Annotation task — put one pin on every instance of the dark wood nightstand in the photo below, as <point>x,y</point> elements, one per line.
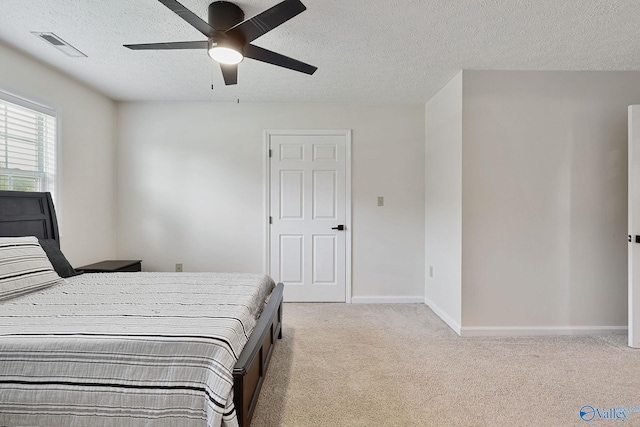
<point>112,266</point>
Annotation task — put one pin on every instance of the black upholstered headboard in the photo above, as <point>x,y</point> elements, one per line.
<point>28,214</point>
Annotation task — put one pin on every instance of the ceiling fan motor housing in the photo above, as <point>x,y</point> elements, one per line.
<point>224,15</point>
<point>221,39</point>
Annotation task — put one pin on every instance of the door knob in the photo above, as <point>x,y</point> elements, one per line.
<point>340,227</point>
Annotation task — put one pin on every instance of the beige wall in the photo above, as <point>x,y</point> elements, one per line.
<point>86,186</point>
<point>443,203</point>
<point>191,187</point>
<point>544,200</point>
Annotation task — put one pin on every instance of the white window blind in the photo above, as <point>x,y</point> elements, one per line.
<point>28,139</point>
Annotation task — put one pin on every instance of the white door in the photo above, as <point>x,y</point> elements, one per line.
<point>309,234</point>
<point>634,226</point>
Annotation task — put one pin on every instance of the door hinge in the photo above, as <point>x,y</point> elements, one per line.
<point>270,220</point>
<point>270,152</point>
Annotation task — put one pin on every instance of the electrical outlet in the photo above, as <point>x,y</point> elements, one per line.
<point>380,201</point>
<point>179,267</point>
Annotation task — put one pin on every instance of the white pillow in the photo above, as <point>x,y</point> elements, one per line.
<point>24,267</point>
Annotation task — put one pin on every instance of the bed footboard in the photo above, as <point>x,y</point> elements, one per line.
<point>248,373</point>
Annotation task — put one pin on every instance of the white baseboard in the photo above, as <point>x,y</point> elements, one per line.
<point>387,300</point>
<point>507,331</point>
<point>443,315</point>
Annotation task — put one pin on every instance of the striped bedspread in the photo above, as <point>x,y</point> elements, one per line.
<point>127,349</point>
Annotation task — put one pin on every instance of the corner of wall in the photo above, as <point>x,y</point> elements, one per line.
<point>443,203</point>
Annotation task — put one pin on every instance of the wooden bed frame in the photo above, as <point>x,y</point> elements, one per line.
<point>33,214</point>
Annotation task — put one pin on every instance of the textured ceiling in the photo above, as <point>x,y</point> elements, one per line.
<point>366,51</point>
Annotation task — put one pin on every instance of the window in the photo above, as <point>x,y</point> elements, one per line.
<point>27,145</point>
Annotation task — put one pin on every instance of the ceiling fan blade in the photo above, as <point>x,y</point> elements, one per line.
<point>253,28</point>
<point>230,73</point>
<point>194,20</point>
<point>270,57</point>
<point>170,45</point>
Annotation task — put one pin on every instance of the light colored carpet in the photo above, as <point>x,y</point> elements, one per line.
<point>400,365</point>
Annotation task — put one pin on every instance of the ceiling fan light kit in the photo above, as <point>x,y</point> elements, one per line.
<point>229,37</point>
<point>225,52</point>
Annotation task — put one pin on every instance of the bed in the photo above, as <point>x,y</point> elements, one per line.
<point>136,349</point>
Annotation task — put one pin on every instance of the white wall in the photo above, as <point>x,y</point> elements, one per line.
<point>443,203</point>
<point>86,189</point>
<point>190,187</point>
<point>545,200</point>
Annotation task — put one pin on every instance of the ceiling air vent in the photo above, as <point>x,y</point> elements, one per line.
<point>59,44</point>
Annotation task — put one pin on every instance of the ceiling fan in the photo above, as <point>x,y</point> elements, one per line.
<point>229,37</point>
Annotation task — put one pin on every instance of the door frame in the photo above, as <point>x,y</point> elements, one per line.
<point>346,133</point>
<point>632,227</point>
